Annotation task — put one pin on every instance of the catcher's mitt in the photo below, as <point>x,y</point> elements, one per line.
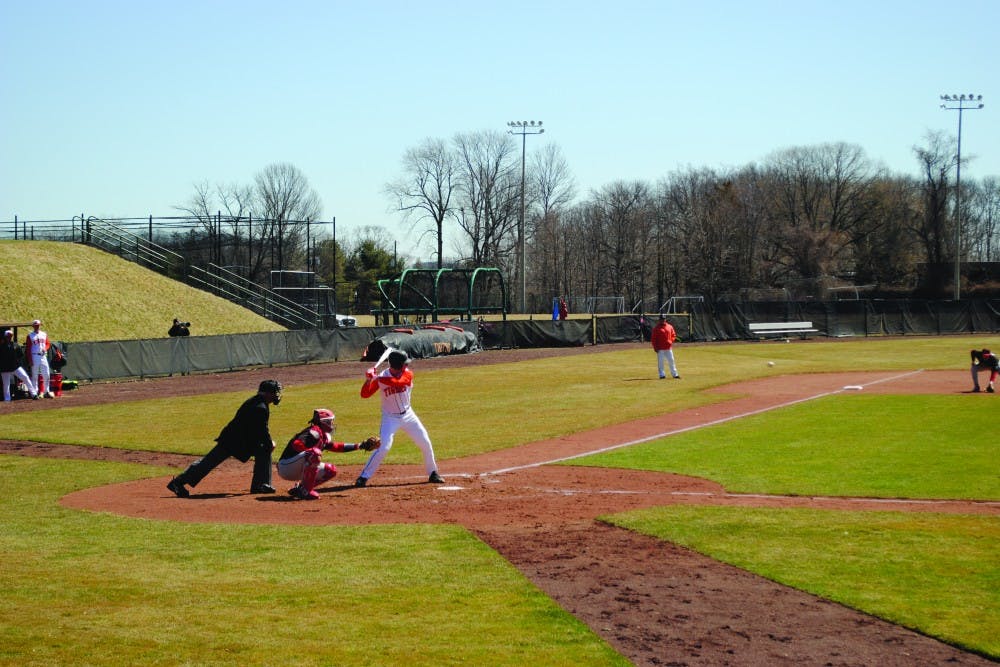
<point>370,443</point>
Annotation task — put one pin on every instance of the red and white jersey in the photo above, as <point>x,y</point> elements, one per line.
<point>395,391</point>
<point>37,343</point>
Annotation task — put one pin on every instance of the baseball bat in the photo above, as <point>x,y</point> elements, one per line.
<point>383,358</point>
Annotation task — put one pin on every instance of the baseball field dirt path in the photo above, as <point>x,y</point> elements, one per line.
<point>655,602</point>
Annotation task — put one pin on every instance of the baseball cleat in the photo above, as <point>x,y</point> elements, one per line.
<point>262,488</point>
<point>435,478</point>
<point>361,482</point>
<point>299,493</point>
<point>989,390</point>
<point>177,487</point>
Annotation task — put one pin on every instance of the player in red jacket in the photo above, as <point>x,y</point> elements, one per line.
<point>663,338</point>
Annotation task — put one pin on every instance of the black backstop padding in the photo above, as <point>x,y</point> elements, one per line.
<point>705,322</point>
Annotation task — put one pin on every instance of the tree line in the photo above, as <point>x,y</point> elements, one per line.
<point>802,221</point>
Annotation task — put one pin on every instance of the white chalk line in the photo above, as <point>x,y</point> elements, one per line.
<point>686,429</point>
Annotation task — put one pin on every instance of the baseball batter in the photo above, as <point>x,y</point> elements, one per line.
<point>395,386</point>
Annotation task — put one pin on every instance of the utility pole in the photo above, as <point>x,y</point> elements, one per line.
<point>523,128</point>
<point>960,100</point>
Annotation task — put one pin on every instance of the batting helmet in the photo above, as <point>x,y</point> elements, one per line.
<point>398,359</point>
<point>324,419</point>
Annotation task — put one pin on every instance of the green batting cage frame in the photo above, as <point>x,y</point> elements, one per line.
<point>423,293</point>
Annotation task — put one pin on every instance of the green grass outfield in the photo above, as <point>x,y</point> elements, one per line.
<point>165,593</point>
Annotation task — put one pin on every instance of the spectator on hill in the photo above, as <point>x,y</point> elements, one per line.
<point>179,329</point>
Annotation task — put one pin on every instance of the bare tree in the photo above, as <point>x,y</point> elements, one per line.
<point>225,214</point>
<point>934,228</point>
<point>425,191</point>
<point>489,187</point>
<point>981,204</point>
<point>286,201</point>
<point>622,221</point>
<point>819,206</point>
<point>695,225</point>
<point>888,253</point>
<point>554,189</point>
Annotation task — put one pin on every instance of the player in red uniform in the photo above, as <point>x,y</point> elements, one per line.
<point>395,385</point>
<point>302,462</point>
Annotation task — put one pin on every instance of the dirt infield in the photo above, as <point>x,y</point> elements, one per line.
<point>655,602</point>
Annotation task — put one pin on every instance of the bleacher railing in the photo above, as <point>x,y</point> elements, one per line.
<point>213,278</point>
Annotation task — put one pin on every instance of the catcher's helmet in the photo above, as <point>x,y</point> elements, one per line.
<point>324,419</point>
<point>271,387</point>
<point>398,359</point>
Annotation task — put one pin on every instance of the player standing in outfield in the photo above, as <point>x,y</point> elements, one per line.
<point>396,385</point>
<point>663,338</point>
<point>984,360</point>
<point>37,344</point>
<point>244,436</point>
<point>302,462</point>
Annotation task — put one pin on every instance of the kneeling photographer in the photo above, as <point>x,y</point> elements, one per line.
<point>179,328</point>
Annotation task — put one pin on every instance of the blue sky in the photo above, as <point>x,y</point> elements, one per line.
<point>117,108</point>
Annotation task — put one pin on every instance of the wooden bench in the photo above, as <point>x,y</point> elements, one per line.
<point>765,329</point>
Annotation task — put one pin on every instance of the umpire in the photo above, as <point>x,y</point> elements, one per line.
<point>245,436</point>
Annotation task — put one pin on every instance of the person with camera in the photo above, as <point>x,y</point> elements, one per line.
<point>179,329</point>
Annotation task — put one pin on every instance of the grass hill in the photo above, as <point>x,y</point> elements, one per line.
<point>85,294</point>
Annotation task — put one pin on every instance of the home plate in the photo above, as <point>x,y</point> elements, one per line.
<point>853,387</point>
<point>450,488</point>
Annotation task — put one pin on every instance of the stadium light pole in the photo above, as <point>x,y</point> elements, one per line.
<point>523,128</point>
<point>974,102</point>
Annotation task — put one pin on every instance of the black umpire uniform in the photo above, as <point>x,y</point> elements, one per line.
<point>246,435</point>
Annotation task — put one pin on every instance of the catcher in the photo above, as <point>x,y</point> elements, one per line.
<point>302,462</point>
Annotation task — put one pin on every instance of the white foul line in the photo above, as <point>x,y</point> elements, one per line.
<point>715,422</point>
